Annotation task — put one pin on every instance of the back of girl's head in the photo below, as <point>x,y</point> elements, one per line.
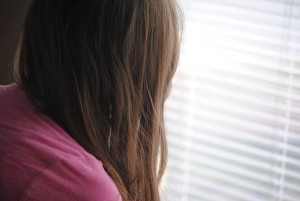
<point>102,69</point>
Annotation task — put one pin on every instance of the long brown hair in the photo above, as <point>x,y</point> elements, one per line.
<point>102,70</point>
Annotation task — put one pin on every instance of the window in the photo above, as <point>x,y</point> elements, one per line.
<point>233,118</point>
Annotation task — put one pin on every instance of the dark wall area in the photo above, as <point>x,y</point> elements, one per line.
<point>12,13</point>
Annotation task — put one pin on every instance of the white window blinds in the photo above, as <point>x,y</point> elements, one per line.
<point>233,118</point>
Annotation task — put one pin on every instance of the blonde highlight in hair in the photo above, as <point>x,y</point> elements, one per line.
<point>102,70</point>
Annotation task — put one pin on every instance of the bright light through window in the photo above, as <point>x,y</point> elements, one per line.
<point>233,118</point>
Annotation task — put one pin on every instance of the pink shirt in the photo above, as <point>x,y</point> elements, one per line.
<point>40,161</point>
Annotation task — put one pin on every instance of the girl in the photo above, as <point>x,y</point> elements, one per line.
<point>84,120</point>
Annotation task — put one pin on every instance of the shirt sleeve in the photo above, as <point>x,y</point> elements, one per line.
<point>72,179</point>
